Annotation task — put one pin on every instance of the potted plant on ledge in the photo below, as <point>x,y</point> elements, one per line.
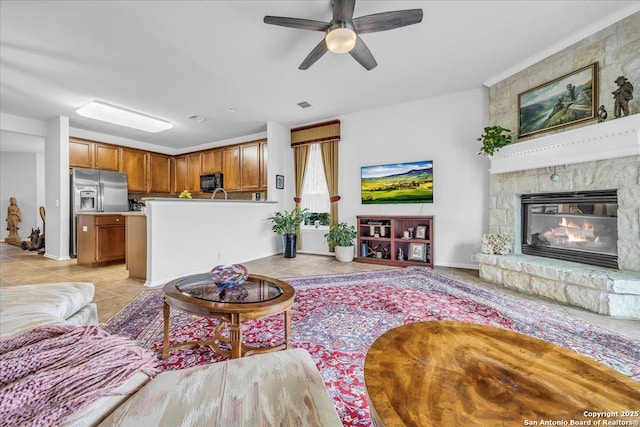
<point>286,224</point>
<point>341,237</point>
<point>493,139</point>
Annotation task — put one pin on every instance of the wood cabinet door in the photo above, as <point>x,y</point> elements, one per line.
<point>159,173</point>
<point>110,243</point>
<point>212,161</point>
<point>134,163</point>
<point>264,177</point>
<point>231,168</point>
<point>80,154</point>
<point>180,177</point>
<point>193,172</point>
<point>250,166</point>
<point>106,157</point>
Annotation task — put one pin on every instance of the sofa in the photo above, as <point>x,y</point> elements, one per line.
<point>281,388</point>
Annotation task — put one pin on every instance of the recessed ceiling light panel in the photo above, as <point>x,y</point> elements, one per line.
<point>99,110</point>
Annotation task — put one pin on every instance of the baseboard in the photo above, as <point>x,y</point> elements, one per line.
<point>57,258</point>
<point>316,253</point>
<point>459,265</point>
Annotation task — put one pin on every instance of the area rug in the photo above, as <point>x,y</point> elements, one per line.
<point>337,317</point>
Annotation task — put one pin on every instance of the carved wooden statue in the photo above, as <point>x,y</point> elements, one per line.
<point>14,216</point>
<point>622,96</point>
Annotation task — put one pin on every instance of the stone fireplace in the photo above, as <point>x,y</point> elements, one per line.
<point>600,159</point>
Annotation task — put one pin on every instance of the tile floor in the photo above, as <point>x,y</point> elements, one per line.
<point>114,289</point>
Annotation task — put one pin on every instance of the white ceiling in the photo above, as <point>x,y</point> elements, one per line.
<point>175,59</point>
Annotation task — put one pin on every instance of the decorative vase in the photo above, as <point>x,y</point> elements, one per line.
<point>289,243</point>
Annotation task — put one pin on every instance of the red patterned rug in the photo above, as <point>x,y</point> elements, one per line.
<point>337,317</point>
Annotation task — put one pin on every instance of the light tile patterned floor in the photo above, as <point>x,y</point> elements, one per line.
<point>114,289</point>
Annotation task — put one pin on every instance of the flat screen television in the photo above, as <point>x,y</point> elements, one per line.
<point>410,182</point>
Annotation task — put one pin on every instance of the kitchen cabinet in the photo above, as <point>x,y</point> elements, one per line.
<point>231,167</point>
<point>212,161</point>
<point>93,155</point>
<point>179,174</point>
<point>101,239</point>
<point>193,172</point>
<point>159,176</point>
<point>264,177</point>
<point>134,164</point>
<point>250,166</point>
<point>186,173</point>
<point>244,166</point>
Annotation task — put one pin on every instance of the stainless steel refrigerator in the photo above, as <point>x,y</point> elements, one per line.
<point>94,190</point>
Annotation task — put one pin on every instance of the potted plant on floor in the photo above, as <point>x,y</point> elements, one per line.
<point>286,224</point>
<point>341,237</point>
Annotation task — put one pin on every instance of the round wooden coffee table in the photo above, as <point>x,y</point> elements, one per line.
<point>462,374</point>
<point>257,297</point>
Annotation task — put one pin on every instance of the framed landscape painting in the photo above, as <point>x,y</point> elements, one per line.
<point>410,182</point>
<point>565,101</point>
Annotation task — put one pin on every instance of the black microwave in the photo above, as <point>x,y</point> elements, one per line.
<point>210,182</point>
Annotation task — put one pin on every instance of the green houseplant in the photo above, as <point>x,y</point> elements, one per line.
<point>286,224</point>
<point>341,237</point>
<point>493,139</point>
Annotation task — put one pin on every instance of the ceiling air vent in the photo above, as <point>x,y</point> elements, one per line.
<point>198,118</point>
<point>304,104</point>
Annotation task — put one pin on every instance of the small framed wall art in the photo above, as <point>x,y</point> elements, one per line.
<point>279,182</point>
<point>421,232</point>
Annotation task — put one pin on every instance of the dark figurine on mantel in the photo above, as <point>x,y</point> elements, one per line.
<point>622,96</point>
<point>602,114</point>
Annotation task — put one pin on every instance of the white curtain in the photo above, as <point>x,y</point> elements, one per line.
<point>315,194</point>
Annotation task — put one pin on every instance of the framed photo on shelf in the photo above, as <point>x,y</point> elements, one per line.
<point>279,182</point>
<point>421,232</point>
<point>416,252</point>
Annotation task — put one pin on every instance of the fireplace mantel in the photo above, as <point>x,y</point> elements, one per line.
<point>599,141</point>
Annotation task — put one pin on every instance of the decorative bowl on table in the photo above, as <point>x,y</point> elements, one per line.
<point>225,276</point>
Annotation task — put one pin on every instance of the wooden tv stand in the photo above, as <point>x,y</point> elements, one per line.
<point>384,237</point>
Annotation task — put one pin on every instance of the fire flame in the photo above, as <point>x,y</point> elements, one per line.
<point>575,232</point>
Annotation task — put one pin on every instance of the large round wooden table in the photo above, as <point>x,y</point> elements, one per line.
<point>257,297</point>
<point>462,374</point>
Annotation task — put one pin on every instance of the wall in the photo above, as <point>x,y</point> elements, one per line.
<point>441,129</point>
<point>18,178</point>
<point>192,236</point>
<point>615,49</point>
<point>57,200</point>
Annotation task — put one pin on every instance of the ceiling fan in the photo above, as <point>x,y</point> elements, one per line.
<point>343,32</point>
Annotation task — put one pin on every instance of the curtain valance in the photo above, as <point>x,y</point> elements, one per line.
<point>319,132</point>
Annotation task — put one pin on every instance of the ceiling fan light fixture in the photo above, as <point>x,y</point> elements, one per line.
<point>341,38</point>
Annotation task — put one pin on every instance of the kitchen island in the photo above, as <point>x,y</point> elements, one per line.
<point>136,244</point>
<point>101,237</point>
<point>189,236</point>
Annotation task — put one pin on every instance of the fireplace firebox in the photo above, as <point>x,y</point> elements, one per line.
<point>576,226</point>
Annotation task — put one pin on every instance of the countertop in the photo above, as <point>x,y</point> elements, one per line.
<point>130,213</point>
<point>173,199</point>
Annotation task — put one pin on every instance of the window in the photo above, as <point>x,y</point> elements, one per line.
<point>315,194</point>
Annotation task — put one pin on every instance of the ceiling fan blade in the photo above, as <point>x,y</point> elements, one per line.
<point>343,10</point>
<point>387,20</point>
<point>301,24</point>
<point>315,54</point>
<point>363,55</point>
